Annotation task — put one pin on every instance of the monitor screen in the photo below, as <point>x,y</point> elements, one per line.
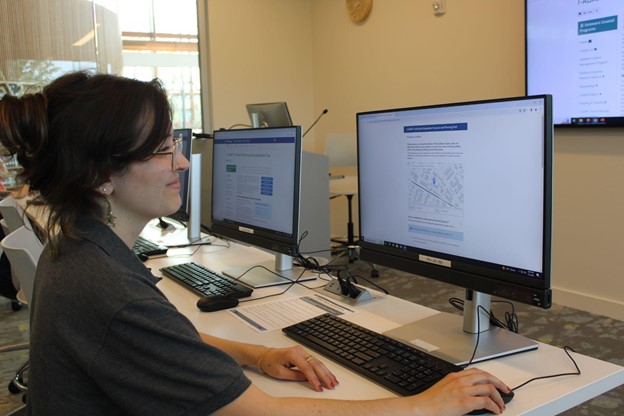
<point>256,182</point>
<point>461,193</point>
<point>269,114</point>
<point>574,52</point>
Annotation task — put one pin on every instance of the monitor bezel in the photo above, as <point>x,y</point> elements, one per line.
<point>471,275</point>
<point>258,236</point>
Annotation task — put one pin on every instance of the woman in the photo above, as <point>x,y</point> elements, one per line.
<point>104,339</point>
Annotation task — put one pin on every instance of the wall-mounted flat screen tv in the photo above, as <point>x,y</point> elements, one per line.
<point>575,52</point>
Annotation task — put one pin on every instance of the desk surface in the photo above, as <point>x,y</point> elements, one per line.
<point>386,312</point>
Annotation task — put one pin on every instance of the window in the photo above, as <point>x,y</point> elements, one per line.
<point>159,40</point>
<point>143,39</point>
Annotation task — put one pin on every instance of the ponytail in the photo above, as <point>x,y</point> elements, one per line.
<point>24,125</point>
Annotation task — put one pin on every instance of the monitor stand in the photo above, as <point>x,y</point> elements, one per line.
<point>175,234</point>
<point>189,234</point>
<point>453,337</point>
<point>270,273</point>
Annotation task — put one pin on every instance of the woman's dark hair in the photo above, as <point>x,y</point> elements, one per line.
<point>79,131</point>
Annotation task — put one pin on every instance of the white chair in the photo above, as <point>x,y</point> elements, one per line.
<point>23,249</point>
<point>13,217</point>
<point>16,304</point>
<point>5,226</point>
<point>11,213</point>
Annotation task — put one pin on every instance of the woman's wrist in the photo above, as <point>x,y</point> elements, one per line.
<point>261,359</point>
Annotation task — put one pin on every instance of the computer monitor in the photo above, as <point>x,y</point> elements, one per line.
<point>269,114</point>
<point>256,191</point>
<point>183,213</point>
<point>461,193</point>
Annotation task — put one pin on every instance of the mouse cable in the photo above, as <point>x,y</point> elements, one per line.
<point>457,301</point>
<point>566,349</point>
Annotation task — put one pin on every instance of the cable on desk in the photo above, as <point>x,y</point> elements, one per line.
<point>511,319</point>
<point>566,349</point>
<point>354,277</point>
<point>310,263</point>
<point>290,285</point>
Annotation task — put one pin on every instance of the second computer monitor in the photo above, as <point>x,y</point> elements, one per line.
<point>256,191</point>
<point>461,193</point>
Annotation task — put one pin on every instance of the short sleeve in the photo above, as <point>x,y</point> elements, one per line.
<point>161,366</point>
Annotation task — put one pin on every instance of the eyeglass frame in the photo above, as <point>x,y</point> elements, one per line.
<point>177,149</point>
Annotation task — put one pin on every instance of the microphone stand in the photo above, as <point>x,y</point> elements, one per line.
<point>315,121</point>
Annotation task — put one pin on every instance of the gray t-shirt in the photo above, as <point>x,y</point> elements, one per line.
<point>105,340</point>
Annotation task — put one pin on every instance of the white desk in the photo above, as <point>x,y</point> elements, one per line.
<point>543,397</point>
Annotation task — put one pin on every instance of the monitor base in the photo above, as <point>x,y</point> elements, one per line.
<point>442,335</point>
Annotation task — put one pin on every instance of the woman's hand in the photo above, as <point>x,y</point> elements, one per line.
<point>296,364</point>
<point>462,392</point>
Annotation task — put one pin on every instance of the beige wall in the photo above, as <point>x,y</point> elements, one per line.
<point>403,55</point>
<point>259,52</point>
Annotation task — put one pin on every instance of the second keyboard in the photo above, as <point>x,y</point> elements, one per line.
<point>399,367</point>
<point>204,281</point>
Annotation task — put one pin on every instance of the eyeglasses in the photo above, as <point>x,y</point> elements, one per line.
<point>176,150</point>
<point>6,158</point>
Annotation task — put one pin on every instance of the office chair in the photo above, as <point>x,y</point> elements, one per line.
<point>11,213</point>
<point>23,249</point>
<point>13,217</point>
<point>16,304</point>
<point>341,150</point>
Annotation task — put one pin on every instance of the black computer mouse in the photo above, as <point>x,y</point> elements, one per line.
<point>216,303</point>
<point>506,398</point>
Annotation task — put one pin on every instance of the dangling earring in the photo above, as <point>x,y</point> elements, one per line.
<point>110,218</point>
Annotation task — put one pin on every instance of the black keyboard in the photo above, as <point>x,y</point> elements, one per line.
<point>204,281</point>
<point>397,366</point>
<point>149,248</point>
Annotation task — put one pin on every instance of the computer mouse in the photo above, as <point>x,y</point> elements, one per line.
<point>216,303</point>
<point>506,399</point>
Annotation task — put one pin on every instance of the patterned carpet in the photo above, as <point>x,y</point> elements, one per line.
<point>593,335</point>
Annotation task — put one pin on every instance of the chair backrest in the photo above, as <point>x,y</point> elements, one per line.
<point>23,249</point>
<point>341,149</point>
<point>5,227</point>
<point>12,214</point>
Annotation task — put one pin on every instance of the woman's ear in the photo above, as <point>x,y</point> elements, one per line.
<point>105,189</point>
